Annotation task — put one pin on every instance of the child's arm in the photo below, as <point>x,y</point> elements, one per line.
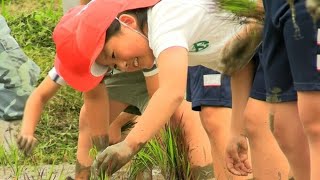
<point>237,149</point>
<point>162,105</point>
<point>241,81</point>
<point>32,112</point>
<point>172,64</point>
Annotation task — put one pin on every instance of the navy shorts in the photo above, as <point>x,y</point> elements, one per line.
<point>288,60</point>
<point>258,89</point>
<point>206,87</point>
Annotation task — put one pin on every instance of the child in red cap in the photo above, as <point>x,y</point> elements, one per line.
<point>131,34</point>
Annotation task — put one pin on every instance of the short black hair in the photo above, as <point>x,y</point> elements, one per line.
<point>141,15</point>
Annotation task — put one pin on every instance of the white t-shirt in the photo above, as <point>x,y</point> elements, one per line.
<point>197,25</point>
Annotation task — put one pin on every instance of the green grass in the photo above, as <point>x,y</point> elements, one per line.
<point>31,23</point>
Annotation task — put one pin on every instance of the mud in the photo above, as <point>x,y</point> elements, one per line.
<point>240,50</point>
<point>100,142</point>
<point>205,172</point>
<point>82,171</point>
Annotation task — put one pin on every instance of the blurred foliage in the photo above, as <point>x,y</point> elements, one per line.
<point>242,8</point>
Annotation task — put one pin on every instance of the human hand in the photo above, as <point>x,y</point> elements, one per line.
<point>313,7</point>
<point>237,156</point>
<point>26,143</point>
<point>112,159</point>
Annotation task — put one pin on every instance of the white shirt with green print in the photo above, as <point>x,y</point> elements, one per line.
<point>197,25</point>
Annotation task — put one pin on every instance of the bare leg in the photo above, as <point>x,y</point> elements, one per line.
<point>289,133</point>
<point>115,133</point>
<point>116,107</point>
<point>196,140</point>
<point>268,161</point>
<point>84,161</point>
<point>309,111</point>
<point>86,136</point>
<point>216,121</point>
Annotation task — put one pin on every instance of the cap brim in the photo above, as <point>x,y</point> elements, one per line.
<point>82,83</point>
<point>98,70</point>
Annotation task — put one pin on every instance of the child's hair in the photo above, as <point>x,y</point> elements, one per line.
<point>141,15</point>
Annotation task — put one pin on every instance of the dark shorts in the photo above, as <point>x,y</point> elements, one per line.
<point>206,87</point>
<point>287,60</point>
<point>258,89</point>
<point>132,110</point>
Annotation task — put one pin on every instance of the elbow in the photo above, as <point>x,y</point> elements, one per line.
<point>178,97</point>
<point>37,98</point>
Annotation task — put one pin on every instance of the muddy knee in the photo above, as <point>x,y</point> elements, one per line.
<point>203,172</point>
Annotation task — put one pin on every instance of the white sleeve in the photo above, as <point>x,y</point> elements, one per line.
<point>150,72</point>
<point>174,23</point>
<point>56,77</point>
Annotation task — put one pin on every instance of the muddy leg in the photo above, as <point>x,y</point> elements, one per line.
<point>82,171</point>
<point>205,172</point>
<point>145,174</point>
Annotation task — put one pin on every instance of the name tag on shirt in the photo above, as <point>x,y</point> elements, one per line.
<point>212,80</point>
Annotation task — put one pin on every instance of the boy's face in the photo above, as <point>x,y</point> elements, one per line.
<point>127,50</point>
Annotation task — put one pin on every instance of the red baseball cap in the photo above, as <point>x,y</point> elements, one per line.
<point>80,37</point>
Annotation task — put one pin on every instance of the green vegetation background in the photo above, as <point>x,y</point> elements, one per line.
<point>31,23</point>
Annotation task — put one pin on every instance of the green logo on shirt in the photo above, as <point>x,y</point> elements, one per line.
<point>199,46</point>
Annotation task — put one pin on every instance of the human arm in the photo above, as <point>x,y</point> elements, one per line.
<point>237,148</point>
<point>165,100</point>
<point>244,45</point>
<point>167,97</point>
<point>32,112</point>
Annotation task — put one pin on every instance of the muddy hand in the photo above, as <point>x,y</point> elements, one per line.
<point>26,143</point>
<point>112,159</point>
<point>237,156</point>
<point>313,7</point>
